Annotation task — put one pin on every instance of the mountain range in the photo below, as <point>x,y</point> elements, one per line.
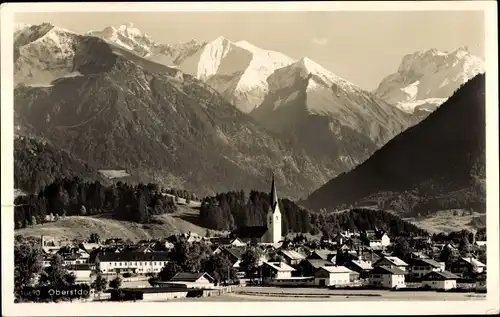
<point>116,110</point>
<point>207,117</point>
<point>424,80</point>
<point>296,98</point>
<point>439,164</point>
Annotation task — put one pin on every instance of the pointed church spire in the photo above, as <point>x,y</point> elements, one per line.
<point>274,195</point>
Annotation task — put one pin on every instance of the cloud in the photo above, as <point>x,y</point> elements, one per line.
<point>320,41</point>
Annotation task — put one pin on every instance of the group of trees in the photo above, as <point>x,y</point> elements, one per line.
<point>193,258</point>
<point>227,211</point>
<point>230,210</point>
<point>38,163</point>
<point>33,282</point>
<point>76,197</point>
<point>182,193</point>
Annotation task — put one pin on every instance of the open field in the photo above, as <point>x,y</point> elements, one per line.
<point>78,227</point>
<point>448,221</point>
<point>112,174</point>
<point>270,294</point>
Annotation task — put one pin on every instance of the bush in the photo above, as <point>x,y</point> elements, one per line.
<point>127,274</point>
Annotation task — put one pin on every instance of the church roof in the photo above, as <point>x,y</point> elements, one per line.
<point>274,195</point>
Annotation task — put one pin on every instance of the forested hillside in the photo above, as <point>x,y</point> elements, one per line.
<point>230,210</point>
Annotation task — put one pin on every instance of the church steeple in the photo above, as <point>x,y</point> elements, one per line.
<point>274,217</point>
<point>274,195</point>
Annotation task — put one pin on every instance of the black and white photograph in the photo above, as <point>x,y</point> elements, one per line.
<point>294,158</point>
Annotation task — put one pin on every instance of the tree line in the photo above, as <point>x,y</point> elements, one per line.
<point>73,196</point>
<point>227,211</point>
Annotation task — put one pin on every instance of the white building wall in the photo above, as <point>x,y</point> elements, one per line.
<point>339,279</point>
<point>388,281</point>
<point>446,284</point>
<point>386,241</point>
<point>81,275</point>
<point>140,267</point>
<point>398,281</point>
<point>283,274</point>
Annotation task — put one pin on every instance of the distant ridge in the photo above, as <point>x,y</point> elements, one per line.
<point>437,164</point>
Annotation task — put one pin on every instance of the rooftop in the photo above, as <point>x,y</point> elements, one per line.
<point>133,256</point>
<point>442,275</point>
<point>428,261</point>
<point>294,255</point>
<point>387,270</point>
<point>396,261</point>
<point>336,269</point>
<point>365,265</point>
<point>280,266</point>
<point>474,262</point>
<point>319,263</point>
<point>190,277</point>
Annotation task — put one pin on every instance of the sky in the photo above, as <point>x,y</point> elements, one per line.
<point>362,47</point>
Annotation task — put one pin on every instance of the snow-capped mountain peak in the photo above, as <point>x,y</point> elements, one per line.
<point>128,30</point>
<point>238,70</point>
<point>427,77</point>
<point>43,53</point>
<point>307,69</point>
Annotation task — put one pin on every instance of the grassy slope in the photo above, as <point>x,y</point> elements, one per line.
<point>448,221</point>
<point>77,227</point>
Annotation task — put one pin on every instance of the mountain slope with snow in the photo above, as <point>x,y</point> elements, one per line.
<point>237,70</point>
<point>333,118</point>
<point>43,53</point>
<point>438,164</point>
<point>424,80</point>
<point>129,37</point>
<point>126,112</point>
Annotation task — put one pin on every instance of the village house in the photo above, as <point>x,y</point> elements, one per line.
<point>467,267</point>
<point>392,262</point>
<point>131,262</point>
<point>363,268</point>
<point>192,280</point>
<point>139,248</point>
<point>46,258</point>
<point>367,254</point>
<point>292,257</point>
<point>340,239</point>
<point>353,243</point>
<point>281,274</point>
<point>227,242</point>
<point>418,255</point>
<point>275,270</point>
<point>387,277</point>
<point>332,276</point>
<point>234,254</point>
<point>82,272</point>
<point>419,242</point>
<point>326,255</point>
<point>420,267</point>
<point>309,267</point>
<point>376,239</point>
<point>442,280</point>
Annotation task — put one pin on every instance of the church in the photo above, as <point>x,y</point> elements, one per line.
<point>271,232</point>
